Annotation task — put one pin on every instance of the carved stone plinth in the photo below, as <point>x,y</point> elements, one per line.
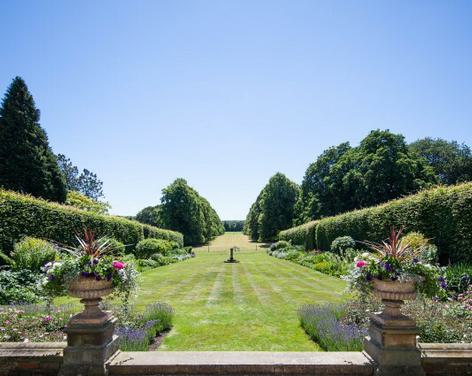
<point>90,334</point>
<point>392,336</point>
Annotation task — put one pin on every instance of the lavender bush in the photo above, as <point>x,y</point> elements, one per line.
<point>137,331</point>
<point>323,325</point>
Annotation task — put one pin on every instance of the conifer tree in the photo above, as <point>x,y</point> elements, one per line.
<point>27,163</point>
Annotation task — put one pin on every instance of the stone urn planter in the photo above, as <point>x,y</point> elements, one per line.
<point>392,335</point>
<point>395,290</point>
<point>90,334</point>
<point>90,291</point>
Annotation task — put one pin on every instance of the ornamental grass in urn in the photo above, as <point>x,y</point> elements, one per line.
<point>394,270</point>
<point>89,271</point>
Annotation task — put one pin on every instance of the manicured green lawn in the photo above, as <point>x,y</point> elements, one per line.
<point>247,306</point>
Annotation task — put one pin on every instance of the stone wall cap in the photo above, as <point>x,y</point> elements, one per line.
<point>240,358</point>
<point>31,349</point>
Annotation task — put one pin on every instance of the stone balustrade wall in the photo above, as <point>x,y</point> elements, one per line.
<point>45,359</point>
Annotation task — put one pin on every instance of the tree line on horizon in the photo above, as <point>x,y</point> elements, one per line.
<point>343,178</point>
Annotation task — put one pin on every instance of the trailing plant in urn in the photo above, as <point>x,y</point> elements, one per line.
<point>396,264</point>
<point>89,270</point>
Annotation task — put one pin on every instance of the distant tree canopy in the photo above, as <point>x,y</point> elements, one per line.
<point>451,161</point>
<point>27,163</point>
<point>182,209</point>
<point>150,215</point>
<point>343,178</point>
<point>233,225</point>
<point>273,210</point>
<point>85,182</point>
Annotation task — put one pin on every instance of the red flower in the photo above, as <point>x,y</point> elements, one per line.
<point>360,264</point>
<point>118,265</point>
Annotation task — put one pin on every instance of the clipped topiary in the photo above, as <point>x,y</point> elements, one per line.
<point>342,244</point>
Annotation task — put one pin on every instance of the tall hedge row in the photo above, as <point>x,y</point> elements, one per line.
<point>442,214</point>
<point>22,215</point>
<point>301,235</point>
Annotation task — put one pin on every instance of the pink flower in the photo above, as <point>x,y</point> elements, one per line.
<point>118,265</point>
<point>360,264</point>
<point>47,319</point>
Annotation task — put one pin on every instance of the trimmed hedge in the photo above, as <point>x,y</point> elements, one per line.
<point>443,214</point>
<point>24,215</point>
<point>301,235</point>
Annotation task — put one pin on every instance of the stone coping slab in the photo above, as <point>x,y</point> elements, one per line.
<point>240,363</point>
<point>31,349</point>
<point>446,350</point>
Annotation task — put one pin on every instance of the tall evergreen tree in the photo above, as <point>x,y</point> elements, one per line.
<point>27,163</point>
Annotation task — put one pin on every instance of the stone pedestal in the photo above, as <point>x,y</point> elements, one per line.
<point>90,341</point>
<point>392,342</point>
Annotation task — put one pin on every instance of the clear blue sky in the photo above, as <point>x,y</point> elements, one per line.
<point>226,93</point>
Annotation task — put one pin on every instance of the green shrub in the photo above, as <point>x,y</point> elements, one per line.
<point>281,244</point>
<point>32,254</point>
<point>146,263</point>
<point>161,313</point>
<point>117,247</point>
<point>6,260</point>
<point>341,244</point>
<point>458,277</point>
<point>426,251</point>
<point>23,215</point>
<point>148,247</point>
<point>18,287</point>
<point>442,214</point>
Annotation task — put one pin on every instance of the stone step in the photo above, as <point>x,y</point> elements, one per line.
<point>240,363</point>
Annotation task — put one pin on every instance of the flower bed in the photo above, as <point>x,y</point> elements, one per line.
<point>324,325</point>
<point>38,323</point>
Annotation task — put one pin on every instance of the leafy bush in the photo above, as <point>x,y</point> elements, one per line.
<point>6,260</point>
<point>22,215</point>
<point>422,246</point>
<point>32,254</point>
<point>323,325</point>
<point>117,247</point>
<point>341,244</point>
<point>18,287</point>
<point>148,247</point>
<point>281,244</point>
<point>442,214</point>
<point>147,263</point>
<point>458,277</point>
